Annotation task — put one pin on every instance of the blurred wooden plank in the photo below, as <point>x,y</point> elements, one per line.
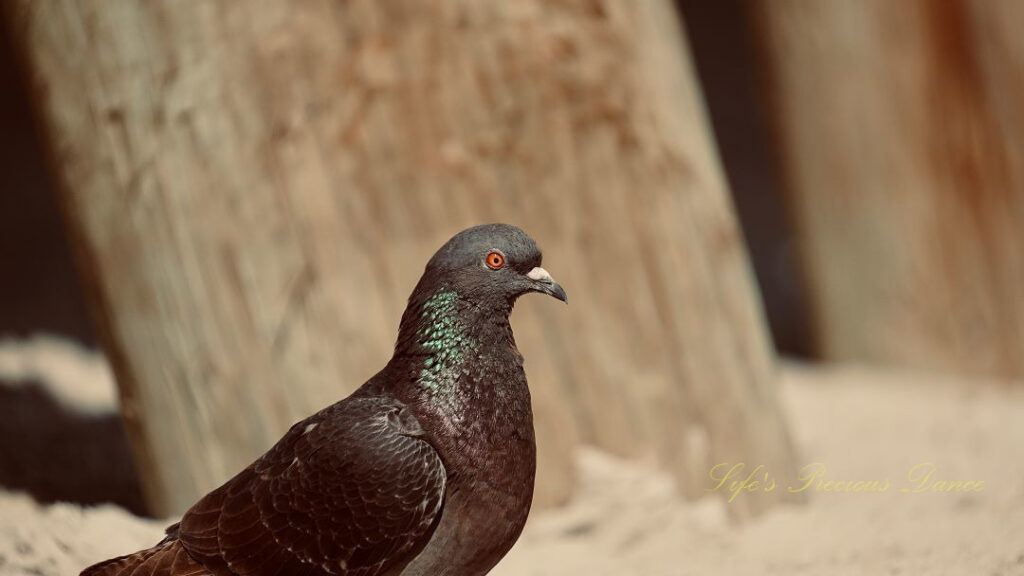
<point>900,127</point>
<point>256,192</point>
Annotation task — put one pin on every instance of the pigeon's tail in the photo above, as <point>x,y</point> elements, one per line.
<point>167,558</point>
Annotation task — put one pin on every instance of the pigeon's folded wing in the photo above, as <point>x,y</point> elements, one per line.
<point>350,490</point>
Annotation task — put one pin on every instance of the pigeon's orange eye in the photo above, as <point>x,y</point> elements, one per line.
<point>495,260</point>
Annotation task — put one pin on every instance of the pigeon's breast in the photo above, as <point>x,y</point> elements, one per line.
<point>486,440</point>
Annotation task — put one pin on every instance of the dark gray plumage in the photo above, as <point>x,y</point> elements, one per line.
<point>427,469</point>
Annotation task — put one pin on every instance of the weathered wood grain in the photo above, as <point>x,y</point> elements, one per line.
<point>901,126</point>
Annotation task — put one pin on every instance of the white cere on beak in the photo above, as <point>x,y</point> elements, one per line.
<point>539,274</point>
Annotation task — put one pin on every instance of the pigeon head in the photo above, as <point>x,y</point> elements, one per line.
<point>489,265</point>
<point>474,277</point>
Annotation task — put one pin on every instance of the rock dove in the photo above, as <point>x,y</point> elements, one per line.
<point>426,469</point>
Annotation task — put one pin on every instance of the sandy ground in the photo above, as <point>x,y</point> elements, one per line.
<point>860,424</point>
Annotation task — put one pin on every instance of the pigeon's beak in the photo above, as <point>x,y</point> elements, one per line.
<point>543,282</point>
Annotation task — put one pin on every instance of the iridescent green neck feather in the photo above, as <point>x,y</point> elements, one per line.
<point>443,336</point>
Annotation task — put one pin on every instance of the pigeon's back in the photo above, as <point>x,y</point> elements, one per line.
<point>351,490</point>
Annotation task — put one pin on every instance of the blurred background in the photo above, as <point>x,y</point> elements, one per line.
<point>792,231</point>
